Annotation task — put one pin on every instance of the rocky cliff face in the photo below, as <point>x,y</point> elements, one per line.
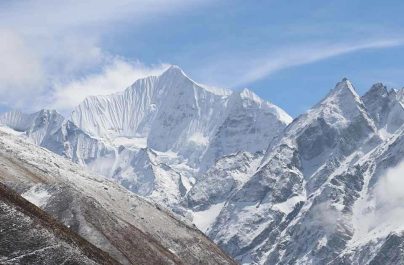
<point>385,107</point>
<point>301,205</point>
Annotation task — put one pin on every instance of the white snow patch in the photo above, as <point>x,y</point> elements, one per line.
<point>186,183</point>
<point>37,196</point>
<point>199,139</point>
<point>204,219</point>
<point>322,242</point>
<point>381,211</point>
<point>8,130</point>
<point>288,205</point>
<point>168,154</point>
<point>131,142</point>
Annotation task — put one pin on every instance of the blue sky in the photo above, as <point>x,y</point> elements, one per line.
<point>289,52</point>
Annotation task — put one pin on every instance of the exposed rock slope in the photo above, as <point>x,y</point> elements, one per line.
<point>30,236</point>
<point>130,229</point>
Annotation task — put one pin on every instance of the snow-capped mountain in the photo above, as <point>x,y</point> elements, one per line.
<point>266,189</point>
<point>38,126</point>
<point>301,205</point>
<point>159,135</point>
<point>173,113</point>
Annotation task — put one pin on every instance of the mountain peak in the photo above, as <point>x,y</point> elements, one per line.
<point>174,70</point>
<point>246,93</point>
<point>340,107</point>
<point>384,108</point>
<point>345,84</point>
<point>377,90</point>
<point>47,112</point>
<point>378,86</point>
<point>343,91</point>
<point>174,74</point>
<point>400,95</point>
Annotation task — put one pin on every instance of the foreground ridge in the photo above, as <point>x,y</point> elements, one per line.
<point>129,228</point>
<point>30,236</point>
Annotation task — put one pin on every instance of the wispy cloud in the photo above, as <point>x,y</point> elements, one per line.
<point>243,70</point>
<point>113,78</point>
<point>20,68</point>
<point>47,16</point>
<point>382,212</point>
<point>44,45</point>
<point>48,46</point>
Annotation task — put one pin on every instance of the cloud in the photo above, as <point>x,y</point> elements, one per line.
<point>382,211</point>
<point>325,216</point>
<point>389,196</point>
<point>21,70</point>
<point>46,45</point>
<point>72,55</point>
<point>114,77</point>
<point>252,67</point>
<point>28,72</point>
<point>47,16</point>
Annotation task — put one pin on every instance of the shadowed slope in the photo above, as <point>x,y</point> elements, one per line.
<point>30,236</point>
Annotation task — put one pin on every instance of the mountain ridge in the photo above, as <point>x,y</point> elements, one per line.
<point>299,175</point>
<point>190,125</point>
<point>18,244</point>
<point>266,189</point>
